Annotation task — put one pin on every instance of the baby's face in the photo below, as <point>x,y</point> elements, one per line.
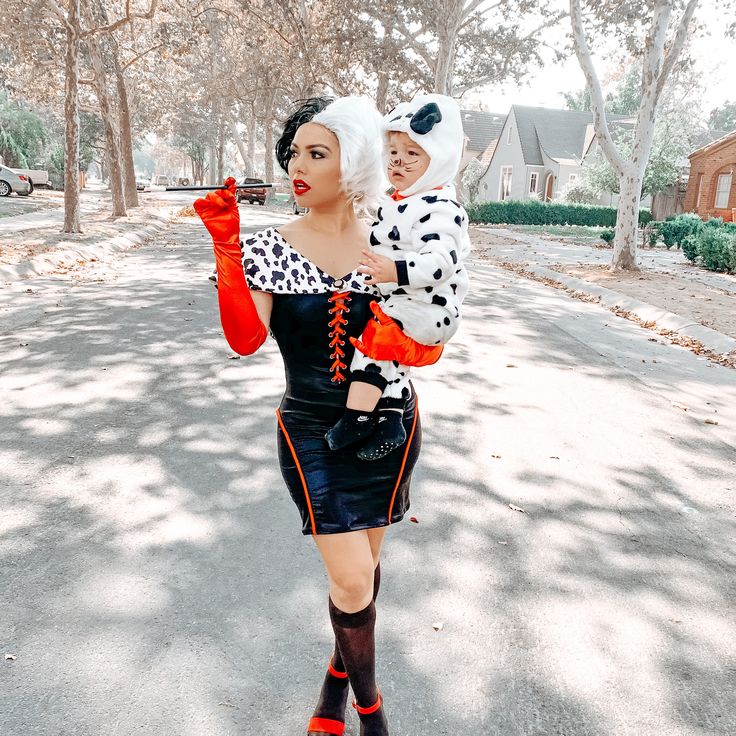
<point>406,161</point>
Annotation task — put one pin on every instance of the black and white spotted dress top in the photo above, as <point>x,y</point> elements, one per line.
<point>312,317</point>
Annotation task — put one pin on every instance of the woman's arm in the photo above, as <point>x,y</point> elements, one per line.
<point>264,304</point>
<point>242,323</point>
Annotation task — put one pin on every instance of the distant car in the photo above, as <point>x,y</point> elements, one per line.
<point>36,177</point>
<point>11,182</point>
<point>161,180</point>
<point>142,184</point>
<point>251,195</point>
<point>183,181</point>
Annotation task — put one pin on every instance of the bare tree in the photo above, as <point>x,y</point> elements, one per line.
<point>664,38</point>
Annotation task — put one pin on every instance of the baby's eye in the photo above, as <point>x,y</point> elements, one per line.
<point>412,153</point>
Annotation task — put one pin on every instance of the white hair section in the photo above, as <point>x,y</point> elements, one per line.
<point>357,124</point>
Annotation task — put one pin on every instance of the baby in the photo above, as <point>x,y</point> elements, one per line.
<point>418,244</point>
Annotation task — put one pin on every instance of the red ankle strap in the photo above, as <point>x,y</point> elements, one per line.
<point>372,709</point>
<point>326,725</point>
<point>334,672</point>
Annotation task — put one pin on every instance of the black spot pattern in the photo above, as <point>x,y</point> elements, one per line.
<point>437,274</point>
<point>374,240</point>
<point>272,265</point>
<point>453,255</point>
<point>426,217</point>
<point>379,214</point>
<point>430,236</point>
<point>430,199</point>
<point>458,220</point>
<point>402,208</point>
<point>394,234</point>
<point>440,300</point>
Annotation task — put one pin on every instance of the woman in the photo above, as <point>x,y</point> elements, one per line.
<point>305,284</point>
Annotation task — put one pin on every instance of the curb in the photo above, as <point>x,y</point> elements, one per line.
<point>43,264</point>
<point>709,338</point>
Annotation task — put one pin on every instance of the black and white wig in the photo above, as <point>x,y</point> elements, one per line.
<point>357,125</point>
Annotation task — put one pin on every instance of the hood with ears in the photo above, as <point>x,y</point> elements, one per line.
<point>434,123</point>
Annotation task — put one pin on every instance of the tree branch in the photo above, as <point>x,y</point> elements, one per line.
<point>582,51</point>
<point>673,52</point>
<point>59,13</point>
<point>122,21</point>
<point>140,56</point>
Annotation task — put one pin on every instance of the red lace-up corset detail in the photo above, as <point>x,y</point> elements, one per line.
<point>337,335</point>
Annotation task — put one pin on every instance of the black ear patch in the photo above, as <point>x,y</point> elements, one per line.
<point>425,118</point>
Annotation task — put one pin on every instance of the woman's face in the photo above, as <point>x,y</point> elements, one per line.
<point>314,166</point>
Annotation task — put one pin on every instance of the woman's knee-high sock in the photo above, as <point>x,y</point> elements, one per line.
<point>355,633</point>
<point>337,662</point>
<point>333,697</point>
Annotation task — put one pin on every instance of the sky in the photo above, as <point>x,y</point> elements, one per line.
<point>714,55</point>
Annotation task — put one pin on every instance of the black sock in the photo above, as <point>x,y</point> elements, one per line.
<point>390,432</point>
<point>355,426</point>
<point>355,634</point>
<point>337,662</point>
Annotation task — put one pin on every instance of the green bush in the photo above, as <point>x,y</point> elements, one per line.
<point>690,248</point>
<point>674,230</point>
<point>608,236</point>
<point>712,244</point>
<point>533,212</point>
<point>717,249</point>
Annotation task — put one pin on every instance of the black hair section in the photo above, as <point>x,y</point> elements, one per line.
<point>303,114</point>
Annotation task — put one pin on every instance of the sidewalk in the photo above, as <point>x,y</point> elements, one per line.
<point>691,306</point>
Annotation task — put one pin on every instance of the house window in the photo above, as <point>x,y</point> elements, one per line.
<point>723,190</point>
<point>700,192</point>
<point>533,180</point>
<point>504,190</point>
<point>573,178</point>
<point>508,137</point>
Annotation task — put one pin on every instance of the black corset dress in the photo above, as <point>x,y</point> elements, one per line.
<point>312,317</point>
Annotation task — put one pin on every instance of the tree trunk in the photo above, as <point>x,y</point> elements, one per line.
<point>112,148</point>
<point>250,164</point>
<point>242,150</point>
<point>71,130</point>
<point>382,92</point>
<point>268,141</point>
<point>126,138</point>
<point>220,151</point>
<point>446,45</point>
<point>627,221</point>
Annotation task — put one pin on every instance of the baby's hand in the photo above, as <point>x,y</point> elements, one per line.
<point>378,269</point>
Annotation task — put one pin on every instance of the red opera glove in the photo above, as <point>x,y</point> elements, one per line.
<point>242,326</point>
<point>384,340</point>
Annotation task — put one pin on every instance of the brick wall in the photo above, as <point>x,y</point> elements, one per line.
<point>709,164</point>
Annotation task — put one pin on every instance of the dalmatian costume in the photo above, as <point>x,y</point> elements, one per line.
<point>425,231</point>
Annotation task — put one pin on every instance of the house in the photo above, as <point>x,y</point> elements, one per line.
<point>482,130</point>
<point>711,189</point>
<point>539,151</point>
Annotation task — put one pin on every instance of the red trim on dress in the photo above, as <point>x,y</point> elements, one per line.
<point>299,468</point>
<point>403,462</point>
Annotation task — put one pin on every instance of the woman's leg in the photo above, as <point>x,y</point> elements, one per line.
<point>349,560</point>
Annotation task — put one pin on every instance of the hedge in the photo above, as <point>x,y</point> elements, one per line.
<point>712,244</point>
<point>532,212</point>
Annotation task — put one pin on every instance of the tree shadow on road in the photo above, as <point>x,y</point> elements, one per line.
<point>155,580</point>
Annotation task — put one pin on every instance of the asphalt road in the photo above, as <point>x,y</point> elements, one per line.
<point>155,580</point>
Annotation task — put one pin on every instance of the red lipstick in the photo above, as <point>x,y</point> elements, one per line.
<point>300,187</point>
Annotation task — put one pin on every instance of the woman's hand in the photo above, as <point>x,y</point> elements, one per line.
<point>219,213</point>
<point>378,269</point>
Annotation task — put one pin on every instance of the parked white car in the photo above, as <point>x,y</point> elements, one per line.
<point>11,182</point>
<point>37,177</point>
